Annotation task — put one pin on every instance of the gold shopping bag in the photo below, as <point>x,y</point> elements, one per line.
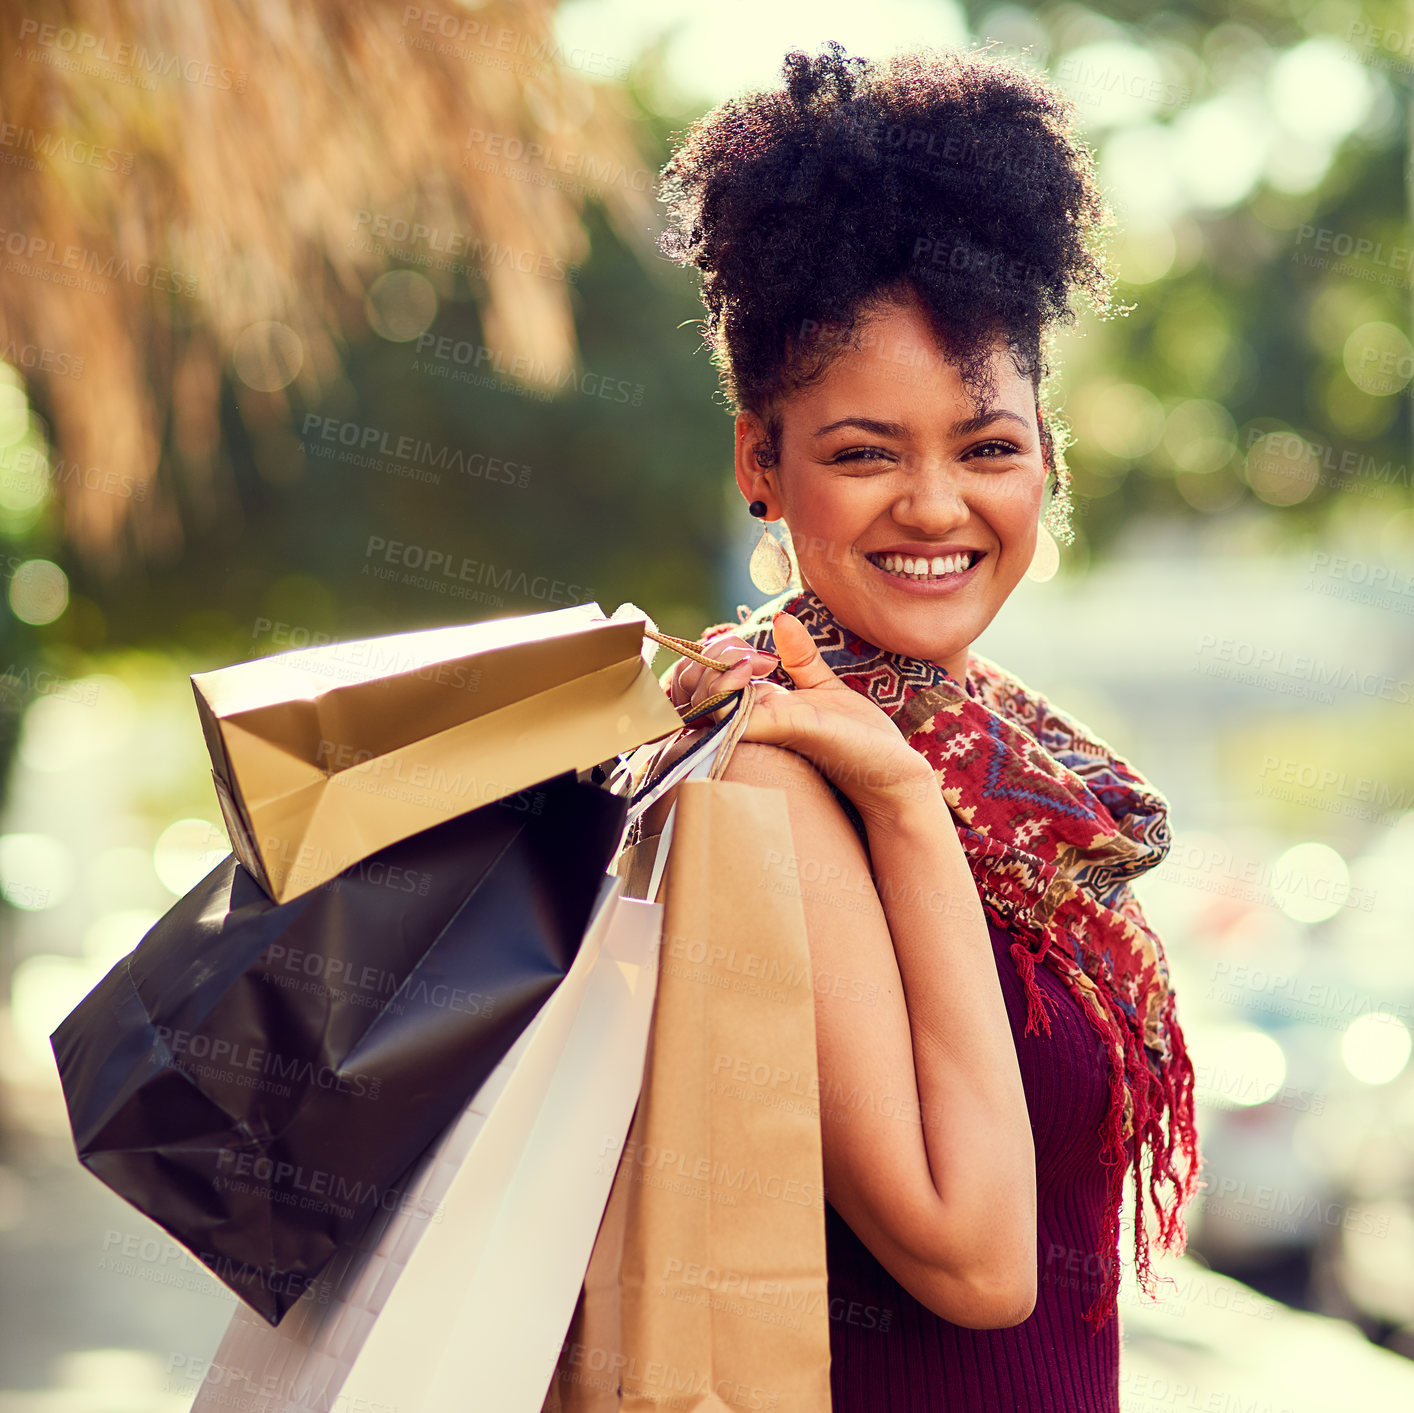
<point>323,756</point>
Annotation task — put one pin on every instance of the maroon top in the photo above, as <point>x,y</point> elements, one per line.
<point>889,1354</point>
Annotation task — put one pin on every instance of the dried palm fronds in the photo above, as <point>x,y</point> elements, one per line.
<point>194,186</point>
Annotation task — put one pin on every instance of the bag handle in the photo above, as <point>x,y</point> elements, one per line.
<point>692,650</point>
<point>709,764</point>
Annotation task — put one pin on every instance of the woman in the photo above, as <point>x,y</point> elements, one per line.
<point>884,250</point>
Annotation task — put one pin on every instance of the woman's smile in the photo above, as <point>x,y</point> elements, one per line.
<point>946,570</point>
<point>912,507</point>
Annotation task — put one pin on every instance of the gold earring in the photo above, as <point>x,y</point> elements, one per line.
<point>769,565</point>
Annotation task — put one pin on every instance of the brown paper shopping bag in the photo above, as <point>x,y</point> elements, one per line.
<point>707,1288</point>
<point>323,756</point>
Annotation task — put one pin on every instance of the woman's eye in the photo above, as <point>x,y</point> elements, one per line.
<point>998,447</point>
<point>861,453</point>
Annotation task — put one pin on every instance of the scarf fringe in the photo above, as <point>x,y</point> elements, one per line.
<point>1171,1151</point>
<point>1038,1021</point>
<point>1156,1090</point>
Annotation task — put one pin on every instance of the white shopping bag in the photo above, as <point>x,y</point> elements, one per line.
<point>515,1188</point>
<point>480,1315</point>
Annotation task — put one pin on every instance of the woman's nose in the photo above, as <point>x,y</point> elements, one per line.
<point>932,496</point>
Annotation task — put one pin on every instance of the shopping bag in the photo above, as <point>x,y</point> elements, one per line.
<point>707,1286</point>
<point>258,1077</point>
<point>510,1197</point>
<point>508,1201</point>
<point>323,756</point>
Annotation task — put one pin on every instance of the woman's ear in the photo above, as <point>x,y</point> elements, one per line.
<point>754,461</point>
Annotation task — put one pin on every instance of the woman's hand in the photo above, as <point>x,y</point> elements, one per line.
<point>691,682</point>
<point>850,741</point>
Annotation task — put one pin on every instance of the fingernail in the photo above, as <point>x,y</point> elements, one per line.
<point>761,652</point>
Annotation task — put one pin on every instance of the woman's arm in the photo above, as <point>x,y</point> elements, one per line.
<point>926,1136</point>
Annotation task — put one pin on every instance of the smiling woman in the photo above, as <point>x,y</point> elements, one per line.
<point>884,251</point>
<point>919,513</point>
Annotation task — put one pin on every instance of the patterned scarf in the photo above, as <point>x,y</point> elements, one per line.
<point>1054,826</point>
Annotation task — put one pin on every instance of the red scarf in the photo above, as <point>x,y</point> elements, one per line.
<point>1054,826</point>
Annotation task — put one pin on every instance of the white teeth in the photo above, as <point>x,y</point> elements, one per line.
<point>920,568</point>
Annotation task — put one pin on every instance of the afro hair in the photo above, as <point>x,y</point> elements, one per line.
<point>949,176</point>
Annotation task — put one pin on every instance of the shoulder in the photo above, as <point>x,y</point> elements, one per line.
<point>759,763</point>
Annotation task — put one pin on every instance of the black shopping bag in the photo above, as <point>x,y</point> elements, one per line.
<point>257,1077</point>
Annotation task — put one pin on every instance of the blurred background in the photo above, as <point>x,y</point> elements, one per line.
<point>327,318</point>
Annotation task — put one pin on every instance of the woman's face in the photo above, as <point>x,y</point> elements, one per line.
<point>887,459</point>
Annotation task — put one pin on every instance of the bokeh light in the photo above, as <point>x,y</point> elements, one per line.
<point>1375,1048</point>
<point>1237,1066</point>
<point>39,591</point>
<point>36,871</point>
<point>43,990</point>
<point>187,851</point>
<point>1379,359</point>
<point>401,305</point>
<point>1282,468</point>
<point>1323,66</point>
<point>268,355</point>
<point>1310,882</point>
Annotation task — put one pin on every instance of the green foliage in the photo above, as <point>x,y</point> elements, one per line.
<point>628,494</point>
